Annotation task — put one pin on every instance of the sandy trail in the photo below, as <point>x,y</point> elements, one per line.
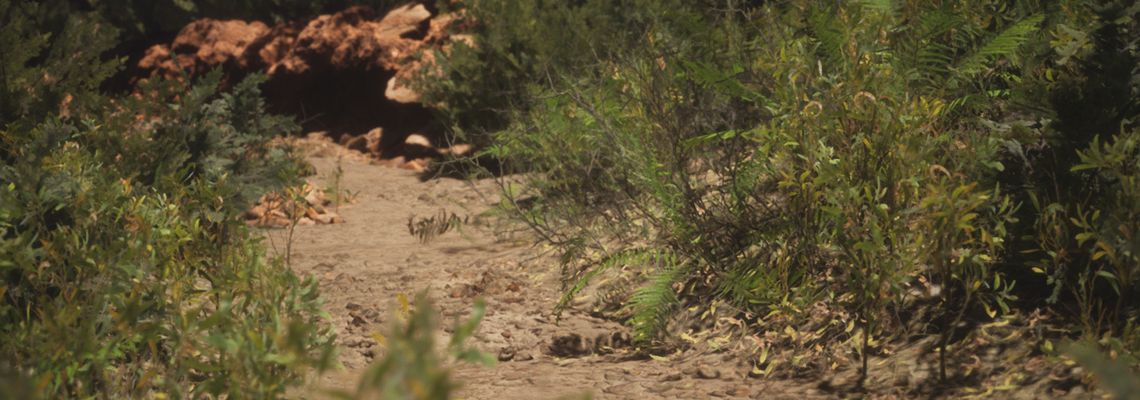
<point>363,264</point>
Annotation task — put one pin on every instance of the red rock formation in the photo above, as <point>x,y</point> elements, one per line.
<point>205,44</point>
<point>345,73</point>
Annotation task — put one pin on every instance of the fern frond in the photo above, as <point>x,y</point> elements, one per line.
<point>927,49</point>
<point>740,285</point>
<point>747,286</point>
<point>1001,45</point>
<point>883,6</point>
<point>428,228</point>
<point>723,81</point>
<point>934,23</point>
<point>935,59</point>
<point>826,30</point>
<point>623,258</point>
<point>652,304</point>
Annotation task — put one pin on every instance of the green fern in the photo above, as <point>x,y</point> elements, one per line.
<point>652,304</point>
<point>826,30</point>
<point>882,6</point>
<point>624,257</point>
<point>1002,45</point>
<point>747,286</point>
<point>932,57</point>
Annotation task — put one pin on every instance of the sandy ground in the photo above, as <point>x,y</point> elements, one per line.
<point>363,264</point>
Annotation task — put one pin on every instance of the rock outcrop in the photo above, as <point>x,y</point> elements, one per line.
<point>346,73</point>
<point>203,45</point>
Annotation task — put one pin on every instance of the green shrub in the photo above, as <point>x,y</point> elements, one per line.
<point>126,281</point>
<point>53,63</point>
<point>1081,173</point>
<point>126,272</point>
<point>525,43</point>
<point>778,156</point>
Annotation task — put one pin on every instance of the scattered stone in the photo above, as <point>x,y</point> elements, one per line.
<point>417,165</point>
<point>316,199</point>
<point>658,388</point>
<point>506,354</point>
<point>276,210</point>
<point>570,345</point>
<point>416,139</point>
<point>400,93</point>
<point>371,314</point>
<point>357,343</point>
<point>457,150</point>
<point>706,372</point>
<point>257,212</point>
<point>372,139</point>
<point>523,356</point>
<point>329,218</point>
<point>353,306</point>
<point>358,321</point>
<point>671,377</point>
<point>619,389</point>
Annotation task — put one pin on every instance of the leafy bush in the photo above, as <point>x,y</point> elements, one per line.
<point>68,51</point>
<point>1081,174</point>
<point>125,269</point>
<point>899,162</point>
<point>144,281</point>
<point>523,43</point>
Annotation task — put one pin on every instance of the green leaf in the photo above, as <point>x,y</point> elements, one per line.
<point>1002,45</point>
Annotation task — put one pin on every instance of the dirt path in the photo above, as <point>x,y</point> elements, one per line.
<point>363,264</point>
